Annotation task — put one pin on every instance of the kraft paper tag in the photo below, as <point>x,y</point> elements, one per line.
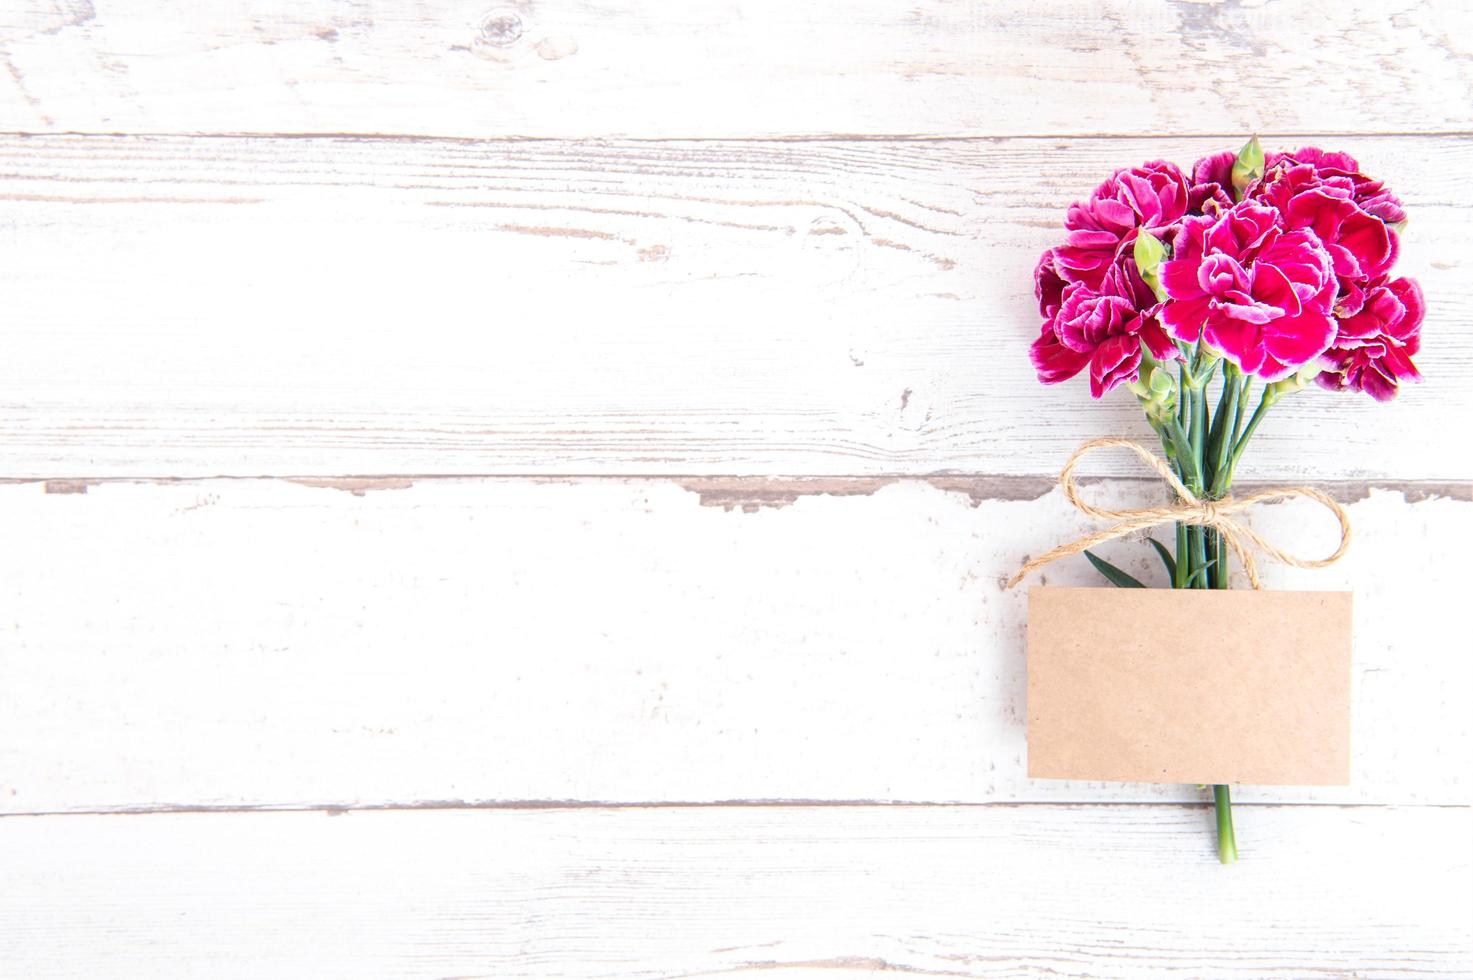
<point>1189,686</point>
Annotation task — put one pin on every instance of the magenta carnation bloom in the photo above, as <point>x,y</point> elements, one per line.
<point>1048,285</point>
<point>1051,359</point>
<point>1104,329</point>
<point>1361,245</point>
<point>1257,293</point>
<point>1341,170</point>
<point>1153,196</point>
<point>1373,351</point>
<point>1287,271</point>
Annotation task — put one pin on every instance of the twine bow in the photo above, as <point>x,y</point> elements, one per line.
<point>1189,509</point>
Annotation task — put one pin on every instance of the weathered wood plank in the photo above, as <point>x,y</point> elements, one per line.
<point>1105,892</point>
<point>579,68</point>
<point>228,643</point>
<point>193,307</point>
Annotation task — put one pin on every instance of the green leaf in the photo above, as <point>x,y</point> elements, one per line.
<point>1166,558</point>
<point>1200,573</point>
<point>1115,575</point>
<point>1248,167</point>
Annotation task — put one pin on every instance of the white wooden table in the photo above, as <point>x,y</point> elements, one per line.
<point>524,491</point>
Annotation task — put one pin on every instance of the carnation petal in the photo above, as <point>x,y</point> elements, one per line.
<point>1115,213</point>
<point>1399,365</point>
<point>1409,329</point>
<point>1244,228</point>
<point>1214,169</point>
<point>1272,288</point>
<point>1238,341</point>
<point>1248,311</point>
<point>1375,383</point>
<point>1083,265</point>
<point>1368,240</point>
<point>1331,380</point>
<point>1115,361</point>
<point>1052,360</point>
<point>1184,318</point>
<point>1048,285</point>
<point>1297,340</point>
<point>1179,279</point>
<point>1156,340</point>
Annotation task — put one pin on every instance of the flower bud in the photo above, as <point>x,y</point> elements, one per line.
<point>1293,383</point>
<point>1248,167</point>
<point>1150,251</point>
<point>1162,384</point>
<point>1156,390</point>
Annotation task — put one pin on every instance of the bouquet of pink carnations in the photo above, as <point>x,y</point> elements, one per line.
<point>1213,295</point>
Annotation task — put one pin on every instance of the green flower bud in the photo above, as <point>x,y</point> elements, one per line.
<point>1156,389</point>
<point>1150,251</point>
<point>1248,167</point>
<point>1162,384</point>
<point>1159,413</point>
<point>1293,383</point>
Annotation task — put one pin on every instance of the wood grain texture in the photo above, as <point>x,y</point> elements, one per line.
<point>776,259</point>
<point>834,892</point>
<point>751,68</point>
<point>195,307</point>
<point>264,643</point>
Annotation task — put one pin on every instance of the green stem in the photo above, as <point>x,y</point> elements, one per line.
<point>1227,841</point>
<point>1183,561</point>
<point>1241,443</point>
<point>1245,394</point>
<point>1235,401</point>
<point>1199,555</point>
<point>1204,452</point>
<point>1211,448</point>
<point>1181,391</point>
<point>1186,455</point>
<point>1199,438</point>
<point>1198,485</point>
<point>1215,435</point>
<point>1225,427</point>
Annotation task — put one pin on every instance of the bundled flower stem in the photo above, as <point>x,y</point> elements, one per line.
<point>1255,276</point>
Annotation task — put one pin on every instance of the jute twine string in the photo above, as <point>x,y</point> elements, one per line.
<point>1188,509</point>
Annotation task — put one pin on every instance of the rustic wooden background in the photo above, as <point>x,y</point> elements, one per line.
<point>523,490</point>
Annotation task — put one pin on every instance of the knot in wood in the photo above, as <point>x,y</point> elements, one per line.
<point>501,28</point>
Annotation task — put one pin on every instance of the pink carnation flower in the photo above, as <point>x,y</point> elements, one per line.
<point>1373,350</point>
<point>1048,285</point>
<point>1296,273</point>
<point>1051,359</point>
<point>1153,196</point>
<point>1341,169</point>
<point>1361,245</point>
<point>1102,329</point>
<point>1257,293</point>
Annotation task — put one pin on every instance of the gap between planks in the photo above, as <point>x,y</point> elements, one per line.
<point>348,136</point>
<point>336,810</point>
<point>757,491</point>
